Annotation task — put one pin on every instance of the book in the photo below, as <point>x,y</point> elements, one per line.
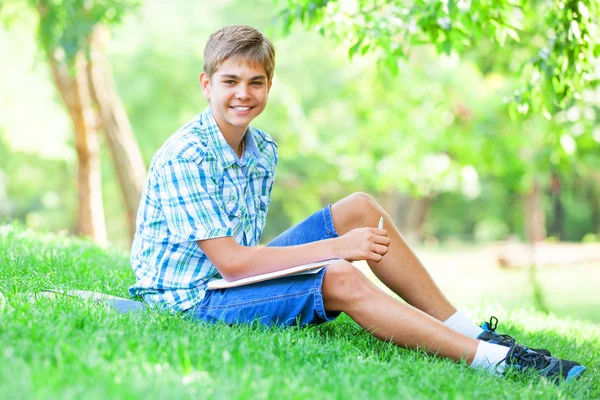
<point>311,268</point>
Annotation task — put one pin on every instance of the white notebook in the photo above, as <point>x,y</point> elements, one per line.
<point>311,268</point>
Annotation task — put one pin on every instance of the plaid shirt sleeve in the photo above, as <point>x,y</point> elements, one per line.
<point>188,197</point>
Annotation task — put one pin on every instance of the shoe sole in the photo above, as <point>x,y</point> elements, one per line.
<point>575,373</point>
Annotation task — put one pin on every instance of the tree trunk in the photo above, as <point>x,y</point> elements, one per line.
<point>535,225</point>
<point>594,202</point>
<point>125,152</point>
<point>416,217</point>
<point>407,212</point>
<point>74,91</point>
<point>558,226</point>
<point>535,218</point>
<point>390,201</point>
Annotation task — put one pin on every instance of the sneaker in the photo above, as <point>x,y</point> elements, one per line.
<point>489,335</point>
<point>554,369</point>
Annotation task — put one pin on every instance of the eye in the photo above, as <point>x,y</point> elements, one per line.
<point>257,83</point>
<point>229,82</point>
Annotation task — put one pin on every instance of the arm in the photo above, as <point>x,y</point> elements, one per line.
<point>236,262</point>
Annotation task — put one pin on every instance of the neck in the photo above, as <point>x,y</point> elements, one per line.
<point>236,142</point>
<point>233,135</point>
<point>240,149</point>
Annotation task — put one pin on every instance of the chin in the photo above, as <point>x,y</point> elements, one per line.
<point>241,122</point>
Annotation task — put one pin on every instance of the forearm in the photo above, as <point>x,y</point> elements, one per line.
<point>250,261</point>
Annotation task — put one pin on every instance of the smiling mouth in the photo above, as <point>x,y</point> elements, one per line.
<point>241,108</point>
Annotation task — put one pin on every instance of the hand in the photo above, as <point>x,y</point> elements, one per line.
<point>359,244</point>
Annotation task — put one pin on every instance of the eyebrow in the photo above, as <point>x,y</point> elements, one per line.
<point>254,78</point>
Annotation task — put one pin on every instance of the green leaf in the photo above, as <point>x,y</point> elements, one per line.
<point>583,10</point>
<point>354,48</point>
<point>574,30</point>
<point>513,34</point>
<point>447,47</point>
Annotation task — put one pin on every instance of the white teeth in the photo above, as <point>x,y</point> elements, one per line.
<point>241,108</point>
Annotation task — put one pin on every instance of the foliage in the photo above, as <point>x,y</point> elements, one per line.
<point>560,38</point>
<point>551,48</point>
<point>65,25</point>
<point>440,128</point>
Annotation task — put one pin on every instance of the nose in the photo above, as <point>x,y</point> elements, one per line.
<point>242,92</point>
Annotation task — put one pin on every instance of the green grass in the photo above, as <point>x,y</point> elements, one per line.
<point>68,348</point>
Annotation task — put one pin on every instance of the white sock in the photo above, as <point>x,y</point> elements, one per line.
<point>489,357</point>
<point>460,323</point>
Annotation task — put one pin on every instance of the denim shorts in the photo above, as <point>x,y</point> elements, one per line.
<point>287,301</point>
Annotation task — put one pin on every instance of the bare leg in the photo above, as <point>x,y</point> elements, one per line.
<point>400,269</point>
<point>346,289</point>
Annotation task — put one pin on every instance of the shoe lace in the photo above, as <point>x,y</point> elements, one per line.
<point>526,358</point>
<point>493,324</point>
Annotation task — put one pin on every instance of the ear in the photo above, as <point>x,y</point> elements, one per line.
<point>205,85</point>
<point>270,84</point>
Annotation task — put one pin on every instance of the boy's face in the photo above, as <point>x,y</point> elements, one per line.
<point>237,93</point>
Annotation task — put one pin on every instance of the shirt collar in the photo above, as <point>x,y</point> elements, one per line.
<point>215,139</point>
<point>254,156</point>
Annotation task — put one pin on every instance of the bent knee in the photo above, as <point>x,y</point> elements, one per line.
<point>343,285</point>
<point>362,201</point>
<point>356,210</point>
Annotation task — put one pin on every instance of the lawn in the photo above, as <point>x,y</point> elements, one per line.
<point>70,349</point>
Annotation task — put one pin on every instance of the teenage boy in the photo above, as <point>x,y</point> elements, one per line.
<point>203,210</point>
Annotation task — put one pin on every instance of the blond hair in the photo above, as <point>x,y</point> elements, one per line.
<point>238,41</point>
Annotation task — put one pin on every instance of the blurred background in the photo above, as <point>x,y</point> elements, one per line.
<point>499,195</point>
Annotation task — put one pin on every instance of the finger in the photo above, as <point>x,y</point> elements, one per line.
<point>383,240</point>
<point>376,231</point>
<point>379,249</point>
<point>375,257</point>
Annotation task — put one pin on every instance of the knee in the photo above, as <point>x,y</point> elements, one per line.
<point>357,210</point>
<point>363,201</point>
<point>343,285</point>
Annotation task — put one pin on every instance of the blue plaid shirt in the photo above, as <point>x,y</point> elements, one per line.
<point>197,188</point>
